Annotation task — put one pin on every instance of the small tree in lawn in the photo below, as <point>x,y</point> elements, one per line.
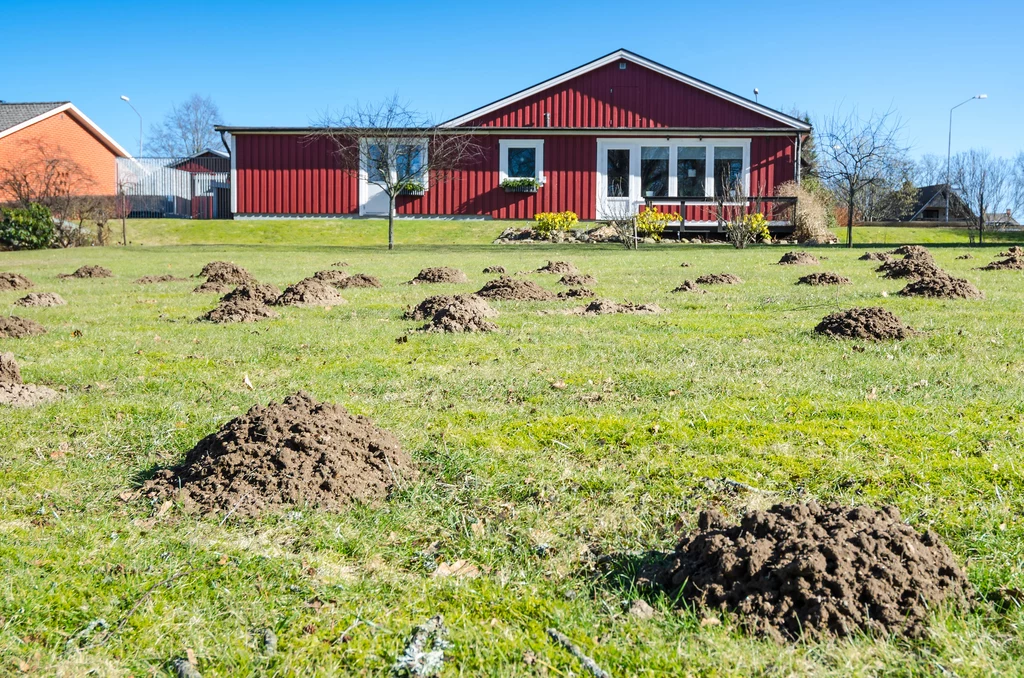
<point>983,181</point>
<point>857,154</point>
<point>398,149</point>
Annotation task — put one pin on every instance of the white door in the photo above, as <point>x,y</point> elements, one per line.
<point>618,180</point>
<point>375,200</point>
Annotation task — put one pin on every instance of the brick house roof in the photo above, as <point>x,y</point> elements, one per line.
<point>12,115</point>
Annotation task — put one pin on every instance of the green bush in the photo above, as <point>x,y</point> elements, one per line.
<point>29,228</point>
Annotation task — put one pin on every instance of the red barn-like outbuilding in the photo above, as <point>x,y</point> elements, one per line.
<point>606,136</point>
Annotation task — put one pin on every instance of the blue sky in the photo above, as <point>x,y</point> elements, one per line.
<point>285,63</point>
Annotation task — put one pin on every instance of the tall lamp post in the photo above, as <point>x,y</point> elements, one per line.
<point>128,101</point>
<point>949,145</point>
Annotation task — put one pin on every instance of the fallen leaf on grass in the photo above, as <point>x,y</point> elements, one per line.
<point>558,385</point>
<point>462,569</point>
<point>164,508</point>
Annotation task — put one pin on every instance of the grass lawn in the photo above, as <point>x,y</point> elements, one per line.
<point>731,384</point>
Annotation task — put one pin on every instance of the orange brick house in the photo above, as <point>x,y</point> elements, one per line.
<point>32,133</point>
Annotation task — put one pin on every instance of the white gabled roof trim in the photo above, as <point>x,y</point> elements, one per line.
<point>69,107</point>
<point>797,125</point>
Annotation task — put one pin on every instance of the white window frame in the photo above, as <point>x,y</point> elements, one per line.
<point>674,143</point>
<point>364,175</point>
<point>536,144</point>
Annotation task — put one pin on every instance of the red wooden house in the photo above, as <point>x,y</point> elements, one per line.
<point>604,137</point>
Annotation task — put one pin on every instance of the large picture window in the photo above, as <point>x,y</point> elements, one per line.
<point>522,163</point>
<point>521,159</point>
<point>654,171</point>
<point>691,170</point>
<point>618,173</point>
<point>728,171</point>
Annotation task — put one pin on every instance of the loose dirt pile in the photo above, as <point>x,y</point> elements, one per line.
<point>339,264</point>
<point>1015,251</point>
<point>875,256</point>
<point>719,279</point>
<point>912,252</point>
<point>264,293</point>
<point>798,259</point>
<point>689,286</point>
<point>13,327</point>
<point>606,307</point>
<point>330,277</point>
<point>310,292</point>
<point>967,256</point>
<point>942,287</point>
<point>873,323</point>
<point>357,280</point>
<point>428,307</point>
<point>440,274</point>
<point>89,272</point>
<point>824,278</point>
<point>10,282</point>
<point>241,309</point>
<point>494,269</point>
<point>514,289</point>
<point>153,279</point>
<point>222,276</point>
<point>1013,263</point>
<point>13,392</point>
<point>560,267</point>
<point>813,571</point>
<point>462,313</point>
<point>577,280</point>
<point>577,293</point>
<point>910,268</point>
<point>296,453</point>
<point>41,299</point>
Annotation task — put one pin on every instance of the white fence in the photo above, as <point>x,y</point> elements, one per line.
<point>184,188</point>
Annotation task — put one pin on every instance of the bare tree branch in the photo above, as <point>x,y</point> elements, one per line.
<point>983,181</point>
<point>187,129</point>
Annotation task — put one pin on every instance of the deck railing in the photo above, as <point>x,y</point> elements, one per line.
<point>703,214</point>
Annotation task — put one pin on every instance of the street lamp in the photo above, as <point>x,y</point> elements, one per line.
<point>128,101</point>
<point>949,145</point>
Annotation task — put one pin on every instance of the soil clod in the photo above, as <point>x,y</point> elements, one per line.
<point>494,269</point>
<point>440,274</point>
<point>719,279</point>
<point>807,570</point>
<point>872,323</point>
<point>690,286</point>
<point>824,278</point>
<point>41,299</point>
<point>13,327</point>
<point>577,280</point>
<point>295,453</point>
<point>514,289</point>
<point>560,267</point>
<point>10,282</point>
<point>798,258</point>
<point>577,293</point>
<point>875,256</point>
<point>88,272</point>
<point>606,307</point>
<point>153,279</point>
<point>310,292</point>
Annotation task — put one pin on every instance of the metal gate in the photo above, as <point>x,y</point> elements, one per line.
<point>194,187</point>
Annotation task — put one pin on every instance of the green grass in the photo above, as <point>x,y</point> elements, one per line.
<point>729,384</point>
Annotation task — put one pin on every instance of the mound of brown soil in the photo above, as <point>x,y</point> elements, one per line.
<point>560,267</point>
<point>798,258</point>
<point>1015,251</point>
<point>719,279</point>
<point>310,292</point>
<point>965,256</point>
<point>153,279</point>
<point>222,276</point>
<point>462,313</point>
<point>872,323</point>
<point>14,281</point>
<point>494,269</point>
<point>912,252</point>
<point>357,280</point>
<point>296,453</point>
<point>15,393</point>
<point>577,280</point>
<point>239,310</point>
<point>440,274</point>
<point>606,307</point>
<point>1009,264</point>
<point>689,286</point>
<point>823,278</point>
<point>264,293</point>
<point>577,293</point>
<point>41,299</point>
<point>514,289</point>
<point>89,272</point>
<point>910,268</point>
<point>875,256</point>
<point>428,307</point>
<point>942,287</point>
<point>330,277</point>
<point>807,570</point>
<point>13,327</point>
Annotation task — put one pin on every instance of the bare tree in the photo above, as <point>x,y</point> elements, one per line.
<point>187,128</point>
<point>1017,181</point>
<point>397,149</point>
<point>930,170</point>
<point>983,181</point>
<point>857,154</point>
